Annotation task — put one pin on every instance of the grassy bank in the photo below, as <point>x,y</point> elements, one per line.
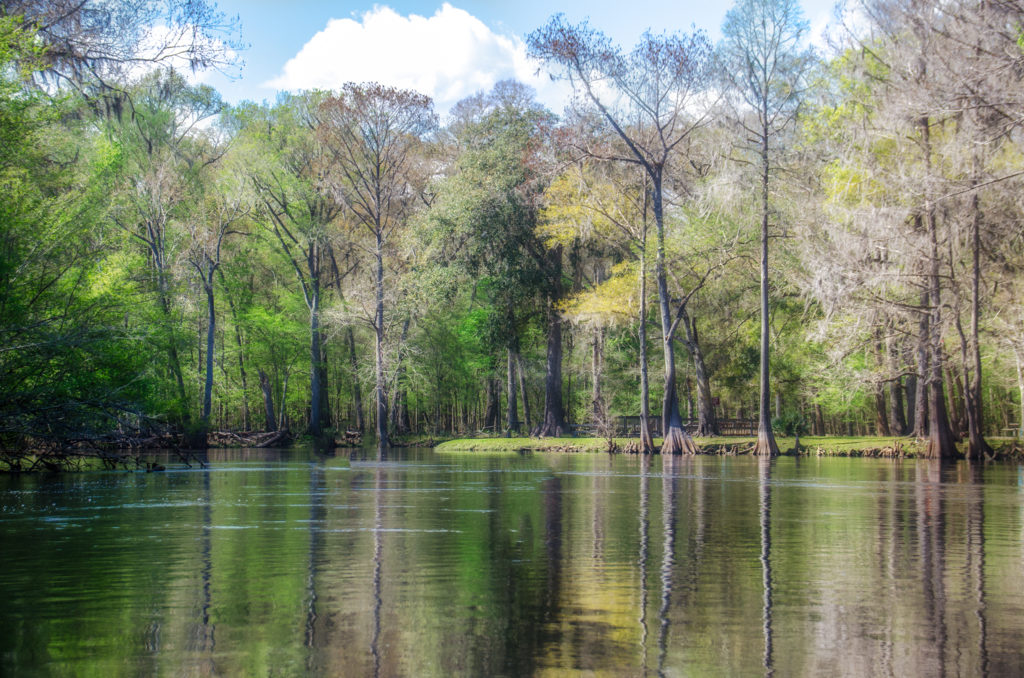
<point>867,446</point>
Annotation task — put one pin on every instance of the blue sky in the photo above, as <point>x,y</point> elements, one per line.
<point>447,50</point>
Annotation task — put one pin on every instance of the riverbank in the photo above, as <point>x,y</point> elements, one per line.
<point>832,446</point>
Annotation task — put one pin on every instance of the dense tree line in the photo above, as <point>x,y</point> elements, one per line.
<point>833,244</point>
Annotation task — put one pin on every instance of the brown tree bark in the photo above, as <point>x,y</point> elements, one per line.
<point>977,446</point>
<point>357,391</point>
<point>521,365</point>
<point>766,444</point>
<point>512,413</point>
<point>707,421</point>
<point>492,415</point>
<point>646,441</point>
<point>675,438</point>
<point>553,420</point>
<point>268,401</point>
<point>940,438</point>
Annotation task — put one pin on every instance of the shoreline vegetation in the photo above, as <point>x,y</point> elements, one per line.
<point>134,458</point>
<point>897,447</point>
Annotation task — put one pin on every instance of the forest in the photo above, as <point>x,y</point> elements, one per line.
<point>750,230</point>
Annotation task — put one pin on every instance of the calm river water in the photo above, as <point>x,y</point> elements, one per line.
<point>424,564</point>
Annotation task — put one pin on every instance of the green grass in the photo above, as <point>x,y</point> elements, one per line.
<point>809,445</point>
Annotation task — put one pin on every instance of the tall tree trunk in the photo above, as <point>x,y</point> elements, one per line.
<point>553,422</point>
<point>596,368</point>
<point>646,441</point>
<point>315,355</point>
<point>881,416</point>
<point>911,408</point>
<point>246,424</point>
<point>326,420</point>
<point>955,391</point>
<point>921,392</point>
<point>211,326</point>
<point>766,444</point>
<point>398,425</point>
<point>707,422</point>
<point>521,365</point>
<point>172,348</point>
<point>268,401</point>
<point>896,416</point>
<point>940,438</point>
<point>819,421</point>
<point>676,440</point>
<point>283,420</point>
<point>357,391</point>
<point>378,320</point>
<point>977,446</point>
<point>512,413</point>
<point>1020,392</point>
<point>492,415</point>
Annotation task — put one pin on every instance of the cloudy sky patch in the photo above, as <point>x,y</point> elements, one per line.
<point>447,56</point>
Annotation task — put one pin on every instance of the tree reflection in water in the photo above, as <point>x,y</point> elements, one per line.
<point>764,475</point>
<point>518,565</point>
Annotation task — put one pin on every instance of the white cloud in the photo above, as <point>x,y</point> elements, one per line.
<point>448,56</point>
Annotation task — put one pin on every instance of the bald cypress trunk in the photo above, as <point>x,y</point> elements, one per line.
<point>707,422</point>
<point>553,421</point>
<point>766,444</point>
<point>940,438</point>
<point>675,438</point>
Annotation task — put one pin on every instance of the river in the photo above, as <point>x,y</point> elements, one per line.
<point>416,563</point>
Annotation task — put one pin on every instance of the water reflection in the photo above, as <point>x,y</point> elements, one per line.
<point>764,488</point>
<point>409,563</point>
<point>645,485</point>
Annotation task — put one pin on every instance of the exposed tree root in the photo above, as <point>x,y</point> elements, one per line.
<point>765,445</point>
<point>678,441</point>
